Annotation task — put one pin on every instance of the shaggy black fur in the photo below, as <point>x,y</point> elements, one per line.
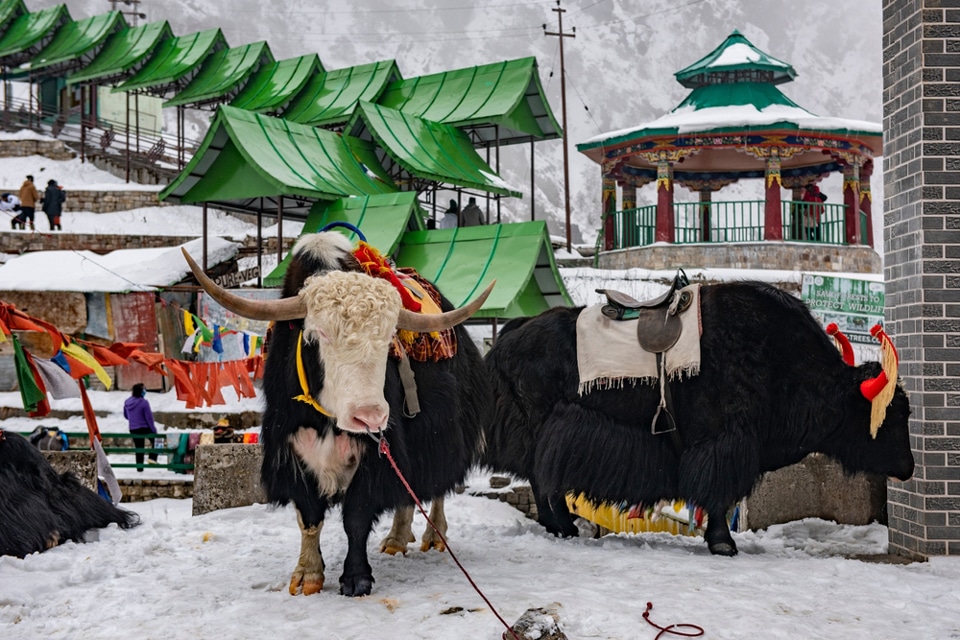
<point>40,508</point>
<point>434,450</point>
<point>772,389</point>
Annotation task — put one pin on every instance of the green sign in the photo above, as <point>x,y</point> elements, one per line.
<point>855,305</point>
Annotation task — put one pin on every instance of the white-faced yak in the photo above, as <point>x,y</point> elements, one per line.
<point>770,388</point>
<point>40,508</point>
<point>336,372</point>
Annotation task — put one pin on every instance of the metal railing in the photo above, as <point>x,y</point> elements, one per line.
<point>734,221</point>
<point>93,137</point>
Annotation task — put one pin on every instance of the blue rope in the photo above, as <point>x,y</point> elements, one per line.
<point>345,225</point>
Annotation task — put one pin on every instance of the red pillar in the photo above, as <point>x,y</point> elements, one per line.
<point>772,218</point>
<point>608,212</point>
<point>666,227</point>
<point>851,201</point>
<point>866,198</point>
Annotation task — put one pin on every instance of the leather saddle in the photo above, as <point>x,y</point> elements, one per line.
<point>658,319</point>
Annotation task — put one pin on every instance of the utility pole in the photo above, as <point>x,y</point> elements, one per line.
<point>563,105</point>
<point>134,13</point>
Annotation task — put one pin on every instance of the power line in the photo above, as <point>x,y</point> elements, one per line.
<point>645,15</point>
<point>473,7</point>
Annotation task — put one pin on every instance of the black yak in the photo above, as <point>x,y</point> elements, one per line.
<point>339,323</point>
<point>771,389</point>
<point>40,508</point>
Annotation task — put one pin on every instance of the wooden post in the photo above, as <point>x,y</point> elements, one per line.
<point>609,212</point>
<point>666,227</point>
<point>851,203</point>
<point>866,198</point>
<point>706,223</point>
<point>772,217</point>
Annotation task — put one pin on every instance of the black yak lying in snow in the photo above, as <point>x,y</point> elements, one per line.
<point>40,508</point>
<point>771,389</point>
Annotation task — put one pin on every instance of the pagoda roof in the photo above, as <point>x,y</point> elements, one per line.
<point>735,54</point>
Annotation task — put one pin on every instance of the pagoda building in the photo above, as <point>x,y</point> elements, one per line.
<point>736,124</point>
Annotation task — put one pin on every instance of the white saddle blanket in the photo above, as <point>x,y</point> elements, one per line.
<point>609,354</point>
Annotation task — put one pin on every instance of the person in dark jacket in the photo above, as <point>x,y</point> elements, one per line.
<point>53,199</point>
<point>137,411</point>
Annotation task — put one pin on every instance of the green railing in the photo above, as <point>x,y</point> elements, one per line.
<point>735,221</point>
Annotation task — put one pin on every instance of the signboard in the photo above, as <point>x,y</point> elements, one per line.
<point>855,305</point>
<point>237,278</point>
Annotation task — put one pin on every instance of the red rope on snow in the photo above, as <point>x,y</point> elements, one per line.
<point>385,450</point>
<point>672,629</point>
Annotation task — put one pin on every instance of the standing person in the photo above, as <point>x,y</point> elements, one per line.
<point>814,209</point>
<point>472,215</point>
<point>28,203</point>
<point>451,217</point>
<point>53,199</point>
<point>137,411</point>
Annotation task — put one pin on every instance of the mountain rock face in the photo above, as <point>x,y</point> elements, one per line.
<point>619,65</point>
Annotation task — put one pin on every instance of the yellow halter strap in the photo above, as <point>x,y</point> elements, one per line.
<point>305,396</point>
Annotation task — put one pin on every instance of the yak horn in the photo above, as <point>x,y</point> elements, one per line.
<point>283,309</point>
<point>428,323</point>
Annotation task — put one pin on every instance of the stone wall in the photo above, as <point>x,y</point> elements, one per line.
<point>95,201</point>
<point>139,490</point>
<point>791,256</point>
<point>921,73</point>
<point>53,149</point>
<point>82,464</point>
<point>65,241</point>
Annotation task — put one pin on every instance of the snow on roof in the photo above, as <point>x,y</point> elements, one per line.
<point>116,272</point>
<point>740,53</point>
<point>691,120</point>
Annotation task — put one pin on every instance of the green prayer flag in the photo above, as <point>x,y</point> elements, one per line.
<point>30,393</point>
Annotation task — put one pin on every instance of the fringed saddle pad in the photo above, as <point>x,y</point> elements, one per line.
<point>609,354</point>
<point>423,347</point>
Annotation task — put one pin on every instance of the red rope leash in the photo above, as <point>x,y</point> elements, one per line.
<point>385,450</point>
<point>672,629</point>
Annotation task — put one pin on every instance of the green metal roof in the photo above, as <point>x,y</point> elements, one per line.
<point>274,84</point>
<point>29,33</point>
<point>382,219</point>
<point>223,74</point>
<point>506,94</point>
<point>426,149</point>
<point>124,53</point>
<point>175,62</point>
<point>79,41</point>
<point>10,10</point>
<point>246,156</point>
<point>331,97</point>
<point>461,262</point>
<point>736,53</point>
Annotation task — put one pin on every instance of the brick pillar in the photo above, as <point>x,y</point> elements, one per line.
<point>922,263</point>
<point>666,229</point>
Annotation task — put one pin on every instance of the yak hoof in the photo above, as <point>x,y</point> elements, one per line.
<point>305,583</point>
<point>426,545</point>
<point>356,587</point>
<point>392,548</point>
<point>723,549</point>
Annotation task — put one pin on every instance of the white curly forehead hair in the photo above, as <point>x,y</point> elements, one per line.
<point>350,308</point>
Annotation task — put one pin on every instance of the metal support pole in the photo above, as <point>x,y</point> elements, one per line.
<point>533,181</point>
<point>563,103</point>
<point>204,236</point>
<point>136,111</point>
<point>280,230</point>
<point>83,124</point>
<point>127,129</point>
<point>260,244</point>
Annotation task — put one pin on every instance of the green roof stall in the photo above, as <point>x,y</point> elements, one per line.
<point>426,149</point>
<point>246,157</point>
<point>276,83</point>
<point>382,219</point>
<point>330,98</point>
<point>175,62</point>
<point>123,54</point>
<point>10,10</point>
<point>504,101</point>
<point>29,33</point>
<point>222,75</point>
<point>462,262</point>
<point>77,43</point>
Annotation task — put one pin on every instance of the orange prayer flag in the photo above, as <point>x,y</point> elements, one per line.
<point>77,368</point>
<point>125,349</point>
<point>148,358</point>
<point>104,356</point>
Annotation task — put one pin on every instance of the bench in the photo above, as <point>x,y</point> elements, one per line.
<point>179,459</point>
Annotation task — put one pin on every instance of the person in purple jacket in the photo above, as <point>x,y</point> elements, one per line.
<point>137,411</point>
